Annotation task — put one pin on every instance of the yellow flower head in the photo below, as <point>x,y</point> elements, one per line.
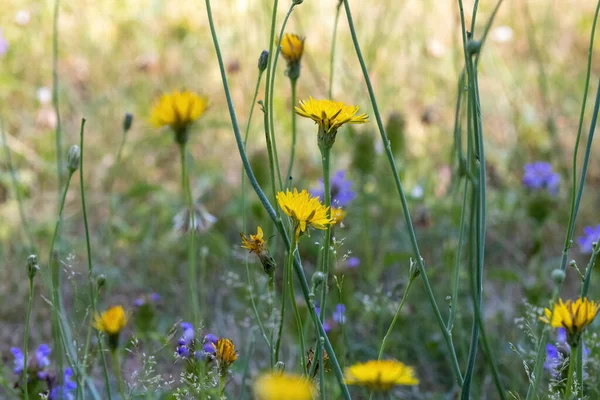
<point>292,47</point>
<point>178,110</point>
<point>329,115</point>
<point>304,209</point>
<point>283,387</point>
<point>380,375</point>
<point>112,321</point>
<point>337,215</point>
<point>254,243</point>
<point>225,353</point>
<point>574,316</point>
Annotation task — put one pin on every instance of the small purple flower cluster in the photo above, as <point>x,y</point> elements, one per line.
<point>591,234</point>
<point>146,299</point>
<point>64,392</point>
<point>338,318</point>
<point>341,190</point>
<point>555,354</point>
<point>186,345</point>
<point>539,175</point>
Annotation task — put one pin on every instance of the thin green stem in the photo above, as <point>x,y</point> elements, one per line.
<point>332,54</point>
<point>118,374</point>
<point>111,203</point>
<point>325,158</point>
<point>282,315</point>
<point>461,238</point>
<point>321,369</point>
<point>26,339</point>
<point>55,103</point>
<point>413,240</point>
<point>393,323</point>
<point>192,270</point>
<point>570,373</point>
<point>289,176</point>
<point>270,153</point>
<point>89,256</point>
<point>290,282</point>
<point>271,211</point>
<point>15,184</point>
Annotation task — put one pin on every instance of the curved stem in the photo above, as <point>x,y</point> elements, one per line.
<point>289,176</point>
<point>325,152</point>
<point>332,54</point>
<point>413,240</point>
<point>192,272</point>
<point>89,256</point>
<point>271,211</point>
<point>391,328</point>
<point>290,281</point>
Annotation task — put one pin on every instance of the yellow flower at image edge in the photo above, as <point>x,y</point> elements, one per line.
<point>178,110</point>
<point>283,387</point>
<point>574,316</point>
<point>292,47</point>
<point>112,321</point>
<point>330,114</point>
<point>304,209</point>
<point>225,353</point>
<point>254,243</point>
<point>380,375</point>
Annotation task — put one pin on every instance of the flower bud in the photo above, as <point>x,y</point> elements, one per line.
<point>127,122</point>
<point>473,46</point>
<point>317,279</point>
<point>32,266</point>
<point>100,281</point>
<point>558,276</point>
<point>73,158</point>
<point>279,368</point>
<point>263,59</point>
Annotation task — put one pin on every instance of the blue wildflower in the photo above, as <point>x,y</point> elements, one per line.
<point>41,356</point>
<point>65,391</point>
<point>590,234</point>
<point>326,325</point>
<point>539,175</point>
<point>353,262</point>
<point>556,354</point>
<point>341,190</point>
<point>339,315</point>
<point>19,361</point>
<point>185,341</point>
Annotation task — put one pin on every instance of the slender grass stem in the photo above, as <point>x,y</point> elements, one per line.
<point>89,256</point>
<point>541,351</point>
<point>15,184</point>
<point>271,211</point>
<point>270,153</point>
<point>111,202</point>
<point>461,238</point>
<point>332,53</point>
<point>289,176</point>
<point>282,315</point>
<point>393,323</point>
<point>26,339</point>
<point>321,369</point>
<point>390,156</point>
<point>290,281</point>
<point>192,270</point>
<point>55,102</point>
<point>325,158</point>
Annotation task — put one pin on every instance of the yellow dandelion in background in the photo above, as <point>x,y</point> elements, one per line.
<point>112,321</point>
<point>574,316</point>
<point>225,353</point>
<point>254,243</point>
<point>304,209</point>
<point>283,387</point>
<point>380,375</point>
<point>337,215</point>
<point>329,115</point>
<point>178,110</point>
<point>292,47</point>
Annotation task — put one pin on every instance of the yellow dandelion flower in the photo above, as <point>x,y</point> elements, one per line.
<point>283,387</point>
<point>254,243</point>
<point>574,316</point>
<point>112,321</point>
<point>330,115</point>
<point>304,209</point>
<point>178,110</point>
<point>337,215</point>
<point>225,353</point>
<point>292,47</point>
<point>380,375</point>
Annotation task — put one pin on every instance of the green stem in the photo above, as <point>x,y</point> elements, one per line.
<point>192,270</point>
<point>89,256</point>
<point>290,282</point>
<point>271,211</point>
<point>321,369</point>
<point>118,374</point>
<point>571,372</point>
<point>325,153</point>
<point>390,156</point>
<point>26,338</point>
<point>332,54</point>
<point>282,315</point>
<point>461,238</point>
<point>55,103</point>
<point>15,183</point>
<point>111,203</point>
<point>289,176</point>
<point>393,323</point>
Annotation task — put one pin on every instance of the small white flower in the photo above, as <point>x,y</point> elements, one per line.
<point>417,192</point>
<point>22,17</point>
<point>44,95</point>
<point>502,34</point>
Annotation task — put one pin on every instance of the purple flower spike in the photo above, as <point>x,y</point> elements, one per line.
<point>553,359</point>
<point>339,315</point>
<point>591,234</point>
<point>19,362</point>
<point>41,356</point>
<point>341,190</point>
<point>353,262</point>
<point>539,175</point>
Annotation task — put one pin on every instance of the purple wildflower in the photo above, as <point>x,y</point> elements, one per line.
<point>591,234</point>
<point>64,392</point>
<point>3,44</point>
<point>339,315</point>
<point>19,362</point>
<point>341,190</point>
<point>210,343</point>
<point>326,325</point>
<point>353,262</point>
<point>185,341</point>
<point>556,354</point>
<point>539,175</point>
